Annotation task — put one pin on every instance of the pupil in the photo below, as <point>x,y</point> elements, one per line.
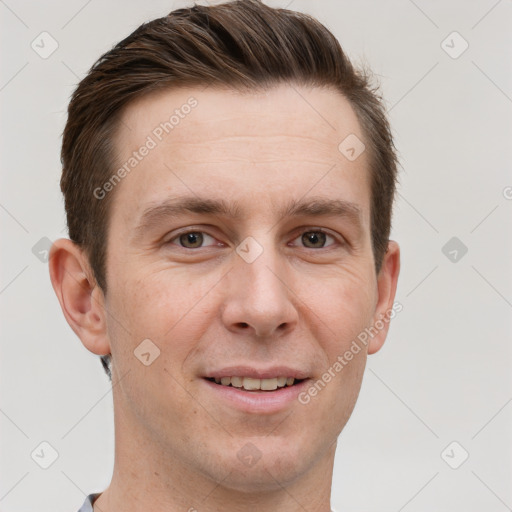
<point>192,239</point>
<point>313,238</point>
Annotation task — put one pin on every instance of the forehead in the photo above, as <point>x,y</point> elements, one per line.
<point>278,144</point>
<point>189,115</point>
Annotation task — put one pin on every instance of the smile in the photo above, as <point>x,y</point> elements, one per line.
<point>252,384</point>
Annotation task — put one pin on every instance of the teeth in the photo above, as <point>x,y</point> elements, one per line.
<point>237,382</point>
<point>268,384</point>
<point>250,384</point>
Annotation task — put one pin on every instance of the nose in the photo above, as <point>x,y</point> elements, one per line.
<point>259,298</point>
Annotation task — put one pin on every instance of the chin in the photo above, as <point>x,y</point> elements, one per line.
<point>261,465</point>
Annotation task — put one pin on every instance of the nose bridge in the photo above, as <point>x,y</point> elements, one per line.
<point>261,275</point>
<point>257,298</point>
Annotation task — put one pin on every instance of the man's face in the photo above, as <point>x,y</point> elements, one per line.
<point>269,274</point>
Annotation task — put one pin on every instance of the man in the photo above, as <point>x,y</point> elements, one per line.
<point>228,180</point>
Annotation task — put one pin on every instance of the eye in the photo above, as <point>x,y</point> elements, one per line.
<point>192,239</point>
<point>315,239</point>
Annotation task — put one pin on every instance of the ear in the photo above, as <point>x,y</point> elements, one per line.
<point>386,287</point>
<point>81,299</point>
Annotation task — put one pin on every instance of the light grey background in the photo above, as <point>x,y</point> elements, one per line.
<point>444,373</point>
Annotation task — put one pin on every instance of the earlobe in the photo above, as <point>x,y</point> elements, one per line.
<point>81,299</point>
<point>386,285</point>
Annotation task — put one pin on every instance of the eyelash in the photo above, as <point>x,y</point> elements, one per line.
<point>308,230</point>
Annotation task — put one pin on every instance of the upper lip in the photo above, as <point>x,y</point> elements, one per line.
<point>257,373</point>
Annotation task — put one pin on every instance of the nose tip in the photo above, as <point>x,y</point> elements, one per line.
<point>257,301</point>
<point>260,331</point>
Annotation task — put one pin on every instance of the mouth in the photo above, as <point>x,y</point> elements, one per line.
<point>254,384</point>
<point>256,391</point>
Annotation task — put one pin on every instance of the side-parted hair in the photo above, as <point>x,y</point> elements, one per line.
<point>244,45</point>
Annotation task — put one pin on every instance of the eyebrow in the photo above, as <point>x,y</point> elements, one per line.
<point>171,208</point>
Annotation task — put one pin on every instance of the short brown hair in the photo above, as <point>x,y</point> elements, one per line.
<point>243,45</point>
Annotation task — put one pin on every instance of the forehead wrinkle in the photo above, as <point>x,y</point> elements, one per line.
<point>321,206</point>
<point>171,208</point>
<point>312,207</point>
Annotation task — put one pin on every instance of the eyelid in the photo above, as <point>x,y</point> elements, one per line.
<point>314,229</point>
<point>298,232</point>
<point>188,230</point>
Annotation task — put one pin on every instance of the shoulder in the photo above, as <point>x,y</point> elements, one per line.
<point>88,503</point>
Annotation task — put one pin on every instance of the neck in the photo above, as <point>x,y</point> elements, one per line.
<point>157,493</point>
<point>146,477</point>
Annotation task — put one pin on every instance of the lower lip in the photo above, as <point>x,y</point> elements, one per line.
<point>258,402</point>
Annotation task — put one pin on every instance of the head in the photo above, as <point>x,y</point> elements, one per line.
<point>219,226</point>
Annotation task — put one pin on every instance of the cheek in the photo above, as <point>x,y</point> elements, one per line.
<point>349,304</point>
<point>166,307</point>
<point>344,305</point>
<point>169,310</point>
